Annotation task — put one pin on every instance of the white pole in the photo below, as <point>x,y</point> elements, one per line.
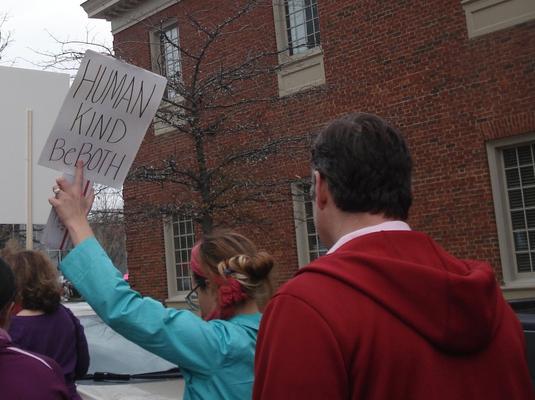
<point>29,182</point>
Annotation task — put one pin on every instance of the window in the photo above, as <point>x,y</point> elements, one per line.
<point>179,237</point>
<point>309,246</point>
<point>168,59</point>
<point>518,168</point>
<point>302,25</point>
<point>512,168</point>
<point>297,28</point>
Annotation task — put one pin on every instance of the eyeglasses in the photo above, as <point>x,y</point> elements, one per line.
<point>192,299</point>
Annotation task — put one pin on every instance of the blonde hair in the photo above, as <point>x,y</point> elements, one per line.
<point>228,254</point>
<point>36,277</point>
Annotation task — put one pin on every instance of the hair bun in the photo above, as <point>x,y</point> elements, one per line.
<point>259,266</point>
<point>256,268</point>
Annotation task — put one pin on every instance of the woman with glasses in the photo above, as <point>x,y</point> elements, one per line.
<point>215,352</point>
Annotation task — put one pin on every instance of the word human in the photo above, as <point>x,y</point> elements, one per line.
<point>119,91</point>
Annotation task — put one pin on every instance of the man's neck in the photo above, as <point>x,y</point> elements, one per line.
<point>346,222</point>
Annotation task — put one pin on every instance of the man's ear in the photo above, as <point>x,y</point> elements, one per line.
<point>321,193</point>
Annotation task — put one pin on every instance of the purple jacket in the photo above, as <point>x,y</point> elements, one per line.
<point>28,376</point>
<point>59,336</point>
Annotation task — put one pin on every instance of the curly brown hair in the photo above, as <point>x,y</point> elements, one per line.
<point>37,279</point>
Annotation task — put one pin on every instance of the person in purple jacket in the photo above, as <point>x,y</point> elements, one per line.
<point>23,374</point>
<point>42,324</point>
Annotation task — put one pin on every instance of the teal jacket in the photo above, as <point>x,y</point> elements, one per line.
<point>216,357</point>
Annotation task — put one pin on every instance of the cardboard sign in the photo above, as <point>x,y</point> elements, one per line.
<point>43,93</point>
<point>103,119</point>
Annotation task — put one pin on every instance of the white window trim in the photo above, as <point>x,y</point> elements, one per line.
<point>301,241</point>
<point>160,127</point>
<point>173,295</point>
<point>300,221</point>
<point>503,221</point>
<point>299,71</point>
<point>486,16</point>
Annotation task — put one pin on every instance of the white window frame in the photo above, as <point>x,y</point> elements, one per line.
<point>156,60</point>
<point>297,71</point>
<point>171,262</point>
<point>155,41</point>
<point>486,16</point>
<point>293,12</point>
<point>300,194</point>
<point>512,278</point>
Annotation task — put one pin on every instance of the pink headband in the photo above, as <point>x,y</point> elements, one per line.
<point>194,264</point>
<point>230,291</point>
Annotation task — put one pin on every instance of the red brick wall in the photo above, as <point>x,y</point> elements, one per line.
<point>408,61</point>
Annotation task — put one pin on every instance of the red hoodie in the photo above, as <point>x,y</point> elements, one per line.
<point>391,315</point>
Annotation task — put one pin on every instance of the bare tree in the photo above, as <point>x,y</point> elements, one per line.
<point>17,232</point>
<point>9,232</point>
<point>5,36</point>
<point>107,221</point>
<point>70,52</point>
<point>212,96</point>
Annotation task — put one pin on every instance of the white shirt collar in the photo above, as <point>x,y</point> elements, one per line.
<point>384,226</point>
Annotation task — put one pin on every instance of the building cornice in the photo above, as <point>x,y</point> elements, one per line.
<point>124,13</point>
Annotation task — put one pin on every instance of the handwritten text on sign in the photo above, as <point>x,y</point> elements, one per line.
<point>103,119</point>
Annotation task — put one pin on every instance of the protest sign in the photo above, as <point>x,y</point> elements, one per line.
<point>29,103</point>
<point>102,122</point>
<point>103,119</point>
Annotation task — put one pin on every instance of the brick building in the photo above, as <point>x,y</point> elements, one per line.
<point>457,77</point>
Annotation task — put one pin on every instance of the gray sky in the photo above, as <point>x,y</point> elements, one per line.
<point>30,20</point>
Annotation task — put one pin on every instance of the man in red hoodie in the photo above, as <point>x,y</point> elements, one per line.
<point>387,313</point>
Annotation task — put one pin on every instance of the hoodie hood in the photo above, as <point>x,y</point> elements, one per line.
<point>454,304</point>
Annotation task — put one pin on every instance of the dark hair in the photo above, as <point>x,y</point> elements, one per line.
<point>367,165</point>
<point>8,288</point>
<point>37,279</point>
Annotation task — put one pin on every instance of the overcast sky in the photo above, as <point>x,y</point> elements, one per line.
<point>31,21</point>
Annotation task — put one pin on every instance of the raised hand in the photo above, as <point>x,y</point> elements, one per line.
<point>72,206</point>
